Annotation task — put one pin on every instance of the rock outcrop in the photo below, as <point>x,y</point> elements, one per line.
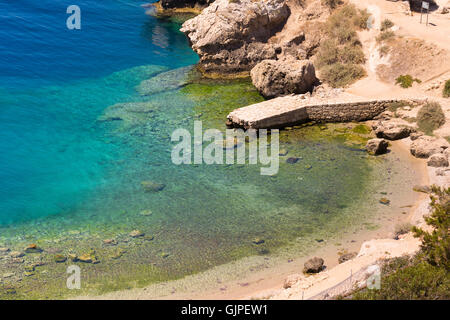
<point>171,4</point>
<point>275,78</point>
<point>438,160</point>
<point>314,265</point>
<point>232,36</point>
<point>425,146</point>
<point>376,146</point>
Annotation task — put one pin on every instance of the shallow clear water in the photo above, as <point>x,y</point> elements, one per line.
<point>71,171</point>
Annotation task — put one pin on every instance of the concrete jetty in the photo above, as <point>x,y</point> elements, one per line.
<point>294,109</point>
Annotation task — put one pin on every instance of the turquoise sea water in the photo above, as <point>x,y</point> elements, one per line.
<point>79,133</point>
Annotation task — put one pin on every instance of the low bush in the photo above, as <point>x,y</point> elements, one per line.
<point>430,117</point>
<point>340,56</point>
<point>340,75</point>
<point>446,92</point>
<point>386,24</point>
<point>385,35</point>
<point>406,81</point>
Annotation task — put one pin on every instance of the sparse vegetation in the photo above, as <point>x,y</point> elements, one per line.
<point>386,24</point>
<point>430,117</point>
<point>385,35</point>
<point>340,56</point>
<point>332,4</point>
<point>446,92</point>
<point>425,276</point>
<point>406,81</point>
<point>384,50</point>
<point>402,228</point>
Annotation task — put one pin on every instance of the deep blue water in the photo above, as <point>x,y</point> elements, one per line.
<point>54,83</point>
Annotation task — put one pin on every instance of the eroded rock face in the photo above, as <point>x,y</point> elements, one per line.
<point>231,36</point>
<point>275,78</point>
<point>376,146</point>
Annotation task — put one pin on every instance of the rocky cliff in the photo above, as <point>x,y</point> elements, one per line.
<point>231,36</point>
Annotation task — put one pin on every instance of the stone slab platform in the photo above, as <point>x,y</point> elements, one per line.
<point>288,110</point>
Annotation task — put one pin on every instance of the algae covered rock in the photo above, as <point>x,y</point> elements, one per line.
<point>150,186</point>
<point>33,248</point>
<point>136,234</point>
<point>166,81</point>
<point>376,146</point>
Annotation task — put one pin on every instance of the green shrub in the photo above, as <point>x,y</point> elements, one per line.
<point>385,35</point>
<point>436,243</point>
<point>427,275</point>
<point>340,75</point>
<point>446,92</point>
<point>406,81</point>
<point>340,55</point>
<point>386,24</point>
<point>410,279</point>
<point>430,117</point>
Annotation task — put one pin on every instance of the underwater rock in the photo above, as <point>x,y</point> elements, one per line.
<point>88,258</point>
<point>110,242</point>
<point>376,146</point>
<point>130,113</point>
<point>292,160</point>
<point>314,265</point>
<point>59,258</point>
<point>4,250</point>
<point>33,248</point>
<point>136,234</point>
<point>258,241</point>
<point>283,152</point>
<point>118,254</point>
<point>167,81</point>
<point>150,186</point>
<point>16,254</point>
<point>146,213</point>
<point>164,254</point>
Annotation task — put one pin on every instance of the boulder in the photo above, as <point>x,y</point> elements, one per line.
<point>314,265</point>
<point>232,36</point>
<point>275,78</point>
<point>376,146</point>
<point>136,234</point>
<point>150,186</point>
<point>425,146</point>
<point>437,160</point>
<point>33,248</point>
<point>392,131</point>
